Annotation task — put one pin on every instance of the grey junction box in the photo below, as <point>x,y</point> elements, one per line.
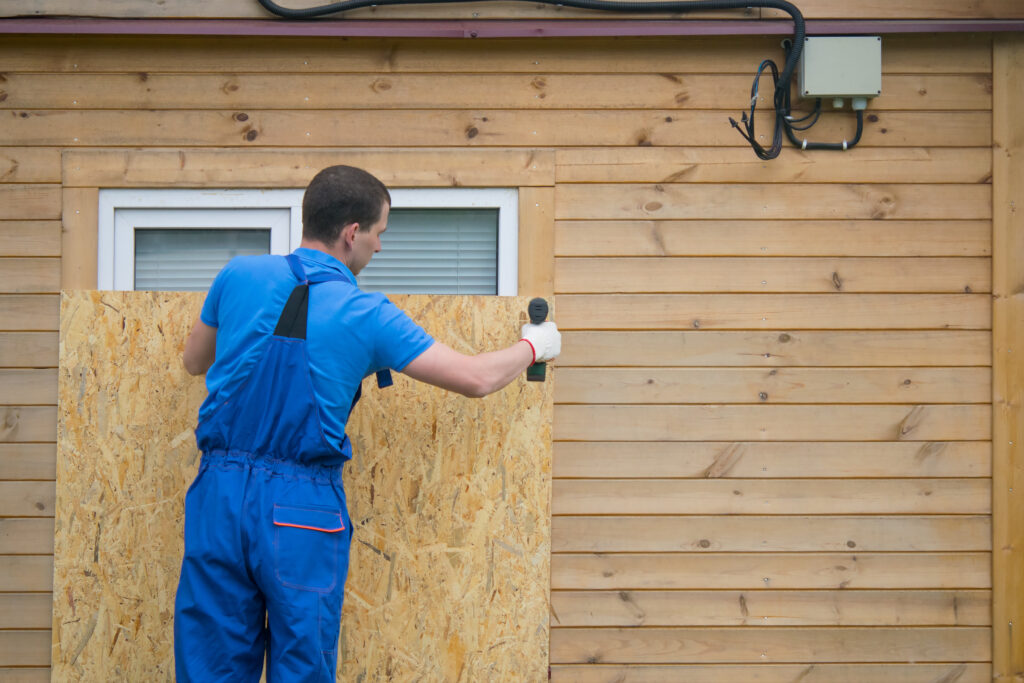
<point>841,66</point>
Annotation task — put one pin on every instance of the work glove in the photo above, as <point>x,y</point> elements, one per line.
<point>545,339</point>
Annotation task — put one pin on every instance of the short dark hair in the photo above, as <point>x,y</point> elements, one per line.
<point>339,196</point>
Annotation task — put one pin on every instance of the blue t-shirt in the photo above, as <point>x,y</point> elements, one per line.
<point>349,334</point>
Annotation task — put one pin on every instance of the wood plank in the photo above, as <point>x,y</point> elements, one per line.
<point>29,275</point>
<point>773,238</point>
<point>25,648</point>
<point>778,385</point>
<point>908,9</point>
<point>752,644</point>
<point>21,424</point>
<point>472,128</point>
<point>706,571</point>
<point>907,53</point>
<point>749,460</point>
<point>1007,368</point>
<point>28,349</point>
<point>24,573</point>
<point>286,168</point>
<point>28,461</point>
<point>28,164</point>
<point>25,675</point>
<point>770,349</point>
<point>35,202</point>
<point>717,165</point>
<point>750,533</point>
<point>537,242</point>
<point>27,498</point>
<point>771,608</point>
<point>773,274</point>
<point>774,311</point>
<point>26,611</point>
<point>29,312</point>
<point>772,423</point>
<point>773,673</point>
<point>79,238</point>
<point>30,238</point>
<point>26,536</point>
<point>28,387</point>
<point>737,202</point>
<point>759,496</point>
<point>449,91</point>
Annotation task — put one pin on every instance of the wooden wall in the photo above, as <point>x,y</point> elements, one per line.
<point>773,417</point>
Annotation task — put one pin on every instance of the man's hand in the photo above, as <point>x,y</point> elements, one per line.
<point>545,339</point>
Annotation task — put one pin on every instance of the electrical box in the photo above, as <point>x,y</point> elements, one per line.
<point>841,66</point>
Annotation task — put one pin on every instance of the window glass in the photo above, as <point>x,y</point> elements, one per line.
<point>188,259</point>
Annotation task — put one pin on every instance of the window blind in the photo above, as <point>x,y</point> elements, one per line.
<point>174,259</point>
<point>436,251</point>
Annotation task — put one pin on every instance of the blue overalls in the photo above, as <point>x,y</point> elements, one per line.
<point>267,530</point>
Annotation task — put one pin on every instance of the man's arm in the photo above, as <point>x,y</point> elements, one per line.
<point>200,348</point>
<point>473,376</point>
<point>483,374</point>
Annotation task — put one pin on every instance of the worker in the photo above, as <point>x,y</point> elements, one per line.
<point>285,343</point>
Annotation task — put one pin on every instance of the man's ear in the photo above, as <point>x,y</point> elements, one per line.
<point>348,233</point>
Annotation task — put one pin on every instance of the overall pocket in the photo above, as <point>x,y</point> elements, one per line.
<point>306,546</point>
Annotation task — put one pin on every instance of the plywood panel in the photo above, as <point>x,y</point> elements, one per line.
<point>28,460</point>
<point>771,496</point>
<point>776,348</point>
<point>663,645</point>
<point>718,165</point>
<point>750,533</point>
<point>772,608</point>
<point>450,494</point>
<point>472,128</point>
<point>778,385</point>
<point>749,460</point>
<point>30,238</point>
<point>706,571</point>
<point>910,53</point>
<point>286,168</point>
<point>746,237</point>
<point>725,274</point>
<point>773,423</point>
<point>774,311</point>
<point>738,202</point>
<point>449,90</point>
<point>775,673</point>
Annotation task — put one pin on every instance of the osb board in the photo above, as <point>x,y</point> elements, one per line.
<point>450,500</point>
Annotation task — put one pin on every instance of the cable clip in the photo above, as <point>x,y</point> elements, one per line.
<point>804,146</point>
<point>844,145</point>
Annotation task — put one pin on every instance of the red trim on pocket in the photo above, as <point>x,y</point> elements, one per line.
<point>311,528</point>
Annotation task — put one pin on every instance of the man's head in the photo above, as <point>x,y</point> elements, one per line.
<point>339,196</point>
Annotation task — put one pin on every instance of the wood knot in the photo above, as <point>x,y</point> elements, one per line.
<point>241,116</point>
<point>539,83</point>
<point>873,118</point>
<point>784,337</point>
<point>851,544</point>
<point>472,132</point>
<point>704,543</point>
<point>652,206</point>
<point>381,85</point>
<point>251,135</point>
<point>837,281</point>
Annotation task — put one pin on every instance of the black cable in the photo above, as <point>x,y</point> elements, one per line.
<point>781,81</point>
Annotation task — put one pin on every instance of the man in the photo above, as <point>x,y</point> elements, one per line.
<point>285,343</point>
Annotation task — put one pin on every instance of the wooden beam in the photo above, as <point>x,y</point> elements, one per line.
<point>1007,364</point>
<point>79,238</point>
<point>537,241</point>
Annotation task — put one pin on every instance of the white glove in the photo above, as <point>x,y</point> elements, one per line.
<point>545,339</point>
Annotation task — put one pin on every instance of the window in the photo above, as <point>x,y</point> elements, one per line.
<point>443,241</point>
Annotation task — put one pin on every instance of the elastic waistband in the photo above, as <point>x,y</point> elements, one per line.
<point>274,466</point>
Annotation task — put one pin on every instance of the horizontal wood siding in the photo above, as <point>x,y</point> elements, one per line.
<point>774,406</point>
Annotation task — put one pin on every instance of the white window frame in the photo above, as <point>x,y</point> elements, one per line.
<point>121,210</point>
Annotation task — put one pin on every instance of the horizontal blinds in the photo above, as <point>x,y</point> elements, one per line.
<point>436,251</point>
<point>174,259</point>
